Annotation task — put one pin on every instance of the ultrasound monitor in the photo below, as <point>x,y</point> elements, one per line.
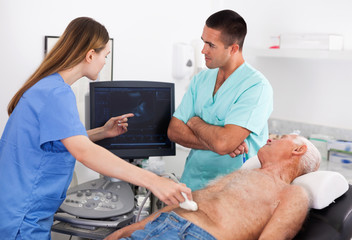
<point>152,104</point>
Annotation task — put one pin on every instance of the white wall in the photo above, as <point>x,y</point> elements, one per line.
<point>316,91</point>
<point>144,32</point>
<point>272,17</point>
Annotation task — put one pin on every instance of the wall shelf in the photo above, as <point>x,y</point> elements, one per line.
<point>299,53</point>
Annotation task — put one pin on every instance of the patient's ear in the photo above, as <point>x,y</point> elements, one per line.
<point>300,150</point>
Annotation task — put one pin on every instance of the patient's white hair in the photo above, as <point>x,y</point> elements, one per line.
<point>310,161</point>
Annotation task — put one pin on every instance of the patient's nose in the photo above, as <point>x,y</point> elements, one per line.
<point>269,141</point>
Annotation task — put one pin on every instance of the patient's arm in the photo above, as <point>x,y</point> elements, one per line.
<point>289,215</point>
<point>128,230</point>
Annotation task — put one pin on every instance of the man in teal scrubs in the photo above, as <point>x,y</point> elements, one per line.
<point>225,111</point>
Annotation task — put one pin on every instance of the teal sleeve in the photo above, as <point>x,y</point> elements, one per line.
<point>252,109</point>
<point>185,110</point>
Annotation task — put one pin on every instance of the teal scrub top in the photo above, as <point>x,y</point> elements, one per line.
<point>244,99</point>
<point>35,167</point>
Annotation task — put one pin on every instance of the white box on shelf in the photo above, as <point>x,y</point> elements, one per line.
<point>340,157</point>
<point>311,41</point>
<point>340,145</point>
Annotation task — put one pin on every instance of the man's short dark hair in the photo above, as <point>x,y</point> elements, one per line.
<point>232,26</point>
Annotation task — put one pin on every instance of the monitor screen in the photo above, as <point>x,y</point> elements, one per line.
<point>152,104</point>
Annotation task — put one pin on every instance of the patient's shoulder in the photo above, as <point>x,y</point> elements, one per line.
<point>294,189</point>
<point>294,193</point>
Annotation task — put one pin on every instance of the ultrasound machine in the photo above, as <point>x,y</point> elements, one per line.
<point>97,208</point>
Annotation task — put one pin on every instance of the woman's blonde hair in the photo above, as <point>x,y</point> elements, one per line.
<point>80,36</point>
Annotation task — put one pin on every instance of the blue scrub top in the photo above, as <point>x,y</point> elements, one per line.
<point>244,99</point>
<point>35,167</point>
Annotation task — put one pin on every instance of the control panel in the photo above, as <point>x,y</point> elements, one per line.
<point>100,198</point>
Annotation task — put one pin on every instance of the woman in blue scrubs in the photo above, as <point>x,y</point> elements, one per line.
<point>44,136</point>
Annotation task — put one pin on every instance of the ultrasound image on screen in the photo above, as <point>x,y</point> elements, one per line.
<point>151,107</point>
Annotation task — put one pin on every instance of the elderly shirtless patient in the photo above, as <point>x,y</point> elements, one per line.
<point>246,204</point>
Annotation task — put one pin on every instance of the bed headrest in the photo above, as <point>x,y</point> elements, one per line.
<point>323,187</point>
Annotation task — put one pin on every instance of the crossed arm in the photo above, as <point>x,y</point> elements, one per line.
<point>198,134</point>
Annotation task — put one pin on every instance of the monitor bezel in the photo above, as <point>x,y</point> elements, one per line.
<point>136,153</point>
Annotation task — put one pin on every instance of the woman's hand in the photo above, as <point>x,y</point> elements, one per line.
<point>113,127</point>
<point>169,191</point>
<point>116,125</point>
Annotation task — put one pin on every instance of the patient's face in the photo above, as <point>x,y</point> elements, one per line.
<point>282,148</point>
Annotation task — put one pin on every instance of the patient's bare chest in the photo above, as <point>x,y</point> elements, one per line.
<point>248,203</point>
